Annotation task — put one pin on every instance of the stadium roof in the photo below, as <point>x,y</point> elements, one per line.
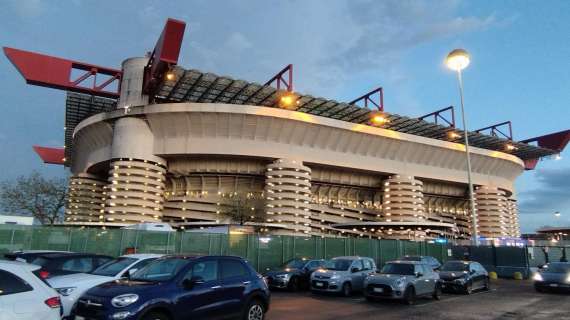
<point>196,86</point>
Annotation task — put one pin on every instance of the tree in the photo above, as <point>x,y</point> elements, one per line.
<point>42,198</point>
<point>244,207</point>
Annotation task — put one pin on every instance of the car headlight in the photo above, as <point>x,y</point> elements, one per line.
<point>124,300</point>
<point>400,283</point>
<point>537,277</point>
<point>568,278</point>
<point>65,291</point>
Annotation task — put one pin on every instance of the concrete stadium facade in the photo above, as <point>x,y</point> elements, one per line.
<point>178,162</point>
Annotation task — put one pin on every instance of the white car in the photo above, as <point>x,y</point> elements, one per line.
<point>24,296</point>
<point>72,286</point>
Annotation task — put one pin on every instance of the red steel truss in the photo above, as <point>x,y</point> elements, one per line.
<point>368,98</point>
<point>53,72</point>
<point>51,155</point>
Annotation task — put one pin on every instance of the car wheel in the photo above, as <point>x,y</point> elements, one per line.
<point>539,289</point>
<point>487,285</point>
<point>155,316</point>
<point>410,296</point>
<point>370,299</point>
<point>437,292</point>
<point>254,311</point>
<point>347,289</point>
<point>293,284</point>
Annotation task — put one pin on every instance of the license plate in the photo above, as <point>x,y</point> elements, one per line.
<point>318,284</point>
<point>554,284</point>
<point>379,290</point>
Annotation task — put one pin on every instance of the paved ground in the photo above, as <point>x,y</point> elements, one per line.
<point>508,300</point>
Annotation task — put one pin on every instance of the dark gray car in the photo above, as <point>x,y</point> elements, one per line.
<point>464,276</point>
<point>403,280</point>
<point>342,275</point>
<point>553,276</point>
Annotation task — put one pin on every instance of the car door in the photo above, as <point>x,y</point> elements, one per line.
<point>18,299</point>
<point>480,274</point>
<point>474,275</point>
<point>357,276</point>
<point>420,281</point>
<point>236,283</point>
<point>203,299</point>
<point>431,278</point>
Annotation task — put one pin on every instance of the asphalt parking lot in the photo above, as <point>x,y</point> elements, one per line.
<point>507,300</point>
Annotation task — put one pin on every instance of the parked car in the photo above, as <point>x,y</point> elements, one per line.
<point>72,286</point>
<point>24,296</point>
<point>464,276</point>
<point>553,276</point>
<point>180,287</point>
<point>28,255</point>
<point>403,280</point>
<point>294,274</point>
<point>56,264</point>
<point>431,261</point>
<point>342,275</point>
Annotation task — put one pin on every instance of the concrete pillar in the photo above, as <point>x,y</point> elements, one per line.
<point>136,176</point>
<point>288,194</point>
<point>85,200</point>
<point>132,83</point>
<point>513,218</point>
<point>492,214</point>
<point>403,199</point>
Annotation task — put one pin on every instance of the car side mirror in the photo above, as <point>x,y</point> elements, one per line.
<point>354,270</point>
<point>419,274</point>
<point>189,284</point>
<point>130,272</point>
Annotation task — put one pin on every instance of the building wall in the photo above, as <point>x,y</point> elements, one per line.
<point>336,172</point>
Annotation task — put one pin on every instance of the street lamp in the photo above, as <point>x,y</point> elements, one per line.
<point>458,60</point>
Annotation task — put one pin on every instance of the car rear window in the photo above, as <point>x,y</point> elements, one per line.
<point>11,284</point>
<point>398,268</point>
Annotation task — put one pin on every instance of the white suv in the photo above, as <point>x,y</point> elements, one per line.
<point>24,296</point>
<point>72,286</point>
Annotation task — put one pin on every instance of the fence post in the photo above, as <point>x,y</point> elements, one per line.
<point>12,240</point>
<point>85,242</point>
<point>209,244</point>
<point>70,239</point>
<point>294,248</point>
<point>121,243</point>
<point>168,243</point>
<point>181,241</point>
<point>137,241</point>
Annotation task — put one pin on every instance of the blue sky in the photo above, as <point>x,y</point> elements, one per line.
<point>520,69</point>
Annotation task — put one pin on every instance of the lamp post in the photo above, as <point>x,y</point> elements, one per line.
<point>458,60</point>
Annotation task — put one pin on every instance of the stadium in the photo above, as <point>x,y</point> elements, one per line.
<point>155,142</point>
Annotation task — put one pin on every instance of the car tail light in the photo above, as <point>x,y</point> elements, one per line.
<point>53,302</point>
<point>44,274</point>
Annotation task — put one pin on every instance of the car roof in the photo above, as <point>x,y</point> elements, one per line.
<point>351,257</point>
<point>460,261</point>
<point>142,255</point>
<point>407,262</point>
<point>57,255</point>
<point>17,265</point>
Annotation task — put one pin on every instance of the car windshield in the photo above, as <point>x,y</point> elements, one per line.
<point>295,264</point>
<point>455,266</point>
<point>398,268</point>
<point>411,258</point>
<point>160,270</point>
<point>557,268</point>
<point>113,267</point>
<point>338,264</point>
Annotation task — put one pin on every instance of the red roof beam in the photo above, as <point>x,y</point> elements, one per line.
<point>495,130</point>
<point>51,155</point>
<point>53,72</point>
<point>555,141</point>
<point>440,114</point>
<point>165,54</point>
<point>369,99</point>
<point>279,78</point>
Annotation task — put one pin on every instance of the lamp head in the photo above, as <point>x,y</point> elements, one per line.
<point>457,60</point>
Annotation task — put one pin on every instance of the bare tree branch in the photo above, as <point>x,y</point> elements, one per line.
<point>35,195</point>
<point>244,207</point>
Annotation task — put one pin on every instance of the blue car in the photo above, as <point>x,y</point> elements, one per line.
<point>180,287</point>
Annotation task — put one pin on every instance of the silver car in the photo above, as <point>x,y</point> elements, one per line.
<point>404,280</point>
<point>342,275</point>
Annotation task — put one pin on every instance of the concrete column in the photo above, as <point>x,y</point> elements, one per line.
<point>513,218</point>
<point>288,194</point>
<point>492,212</point>
<point>136,176</point>
<point>403,199</point>
<point>85,200</point>
<point>132,83</point>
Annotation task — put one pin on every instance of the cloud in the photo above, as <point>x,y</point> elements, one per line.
<point>551,194</point>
